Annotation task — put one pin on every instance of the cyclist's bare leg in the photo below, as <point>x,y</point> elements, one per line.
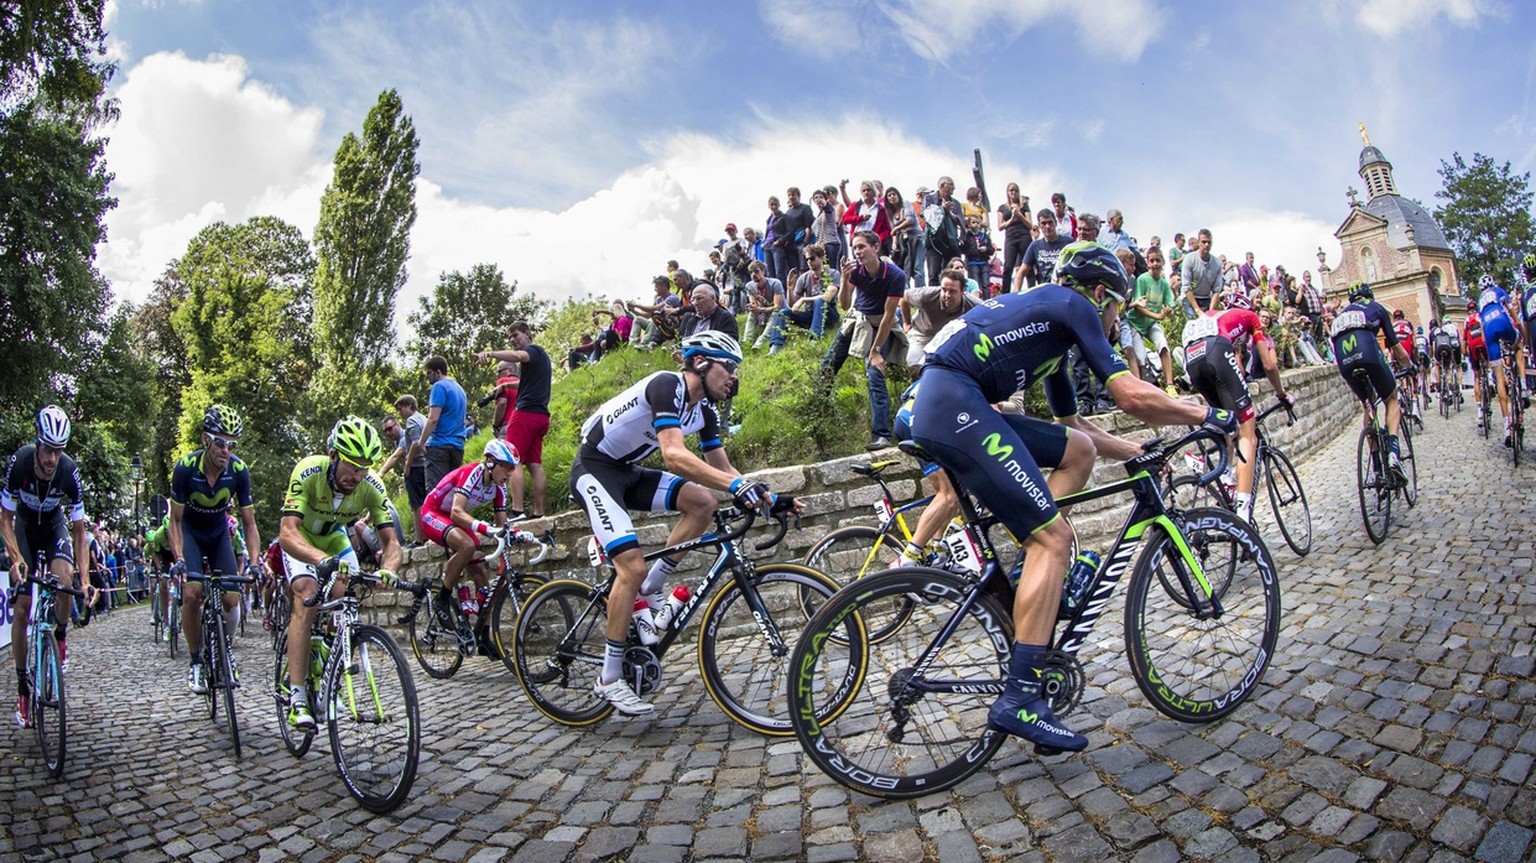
<point>463,548</point>
<point>1047,553</point>
<point>944,506</point>
<point>697,505</point>
<point>300,622</point>
<point>1394,414</point>
<point>192,616</point>
<point>19,625</point>
<point>64,572</point>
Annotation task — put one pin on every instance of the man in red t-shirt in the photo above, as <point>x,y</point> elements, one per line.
<point>506,396</point>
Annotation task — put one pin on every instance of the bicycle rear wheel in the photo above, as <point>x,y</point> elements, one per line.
<point>221,681</point>
<point>1375,490</point>
<point>48,714</point>
<point>1194,664</point>
<point>557,651</point>
<point>1410,467</point>
<point>435,637</point>
<point>506,605</point>
<point>850,553</point>
<point>157,614</point>
<point>886,730</point>
<point>297,741</point>
<point>747,673</point>
<point>371,714</point>
<point>1288,501</point>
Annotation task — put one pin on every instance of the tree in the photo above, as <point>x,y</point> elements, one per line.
<point>245,286</point>
<point>469,312</point>
<point>362,242</point>
<point>1486,217</point>
<point>162,348</point>
<point>52,55</point>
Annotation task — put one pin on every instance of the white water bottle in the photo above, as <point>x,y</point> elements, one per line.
<point>674,604</point>
<point>645,624</point>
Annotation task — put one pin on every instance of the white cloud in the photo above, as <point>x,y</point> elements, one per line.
<point>815,27</point>
<point>1388,18</point>
<point>198,141</point>
<point>1110,29</point>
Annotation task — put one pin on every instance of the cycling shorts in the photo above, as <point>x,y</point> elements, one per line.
<point>434,526</point>
<point>48,538</point>
<point>1498,333</point>
<point>1478,354</point>
<point>901,426</point>
<point>296,569</point>
<point>1366,372</point>
<point>212,544</point>
<point>1216,375</point>
<point>272,560</point>
<point>996,456</point>
<point>1445,354</point>
<point>609,490</point>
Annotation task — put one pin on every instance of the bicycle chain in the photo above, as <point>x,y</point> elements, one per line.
<point>1061,682</point>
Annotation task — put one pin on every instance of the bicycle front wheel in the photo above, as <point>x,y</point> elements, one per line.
<point>847,554</point>
<point>1288,501</point>
<point>890,729</point>
<point>744,655</point>
<point>505,607</point>
<point>371,713</point>
<point>1375,490</point>
<point>557,651</point>
<point>1195,656</point>
<point>435,637</point>
<point>173,612</point>
<point>48,704</point>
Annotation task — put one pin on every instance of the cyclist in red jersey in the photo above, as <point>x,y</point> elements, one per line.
<point>445,517</point>
<point>1403,328</point>
<point>1477,354</point>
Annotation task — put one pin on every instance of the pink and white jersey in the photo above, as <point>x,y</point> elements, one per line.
<point>471,480</point>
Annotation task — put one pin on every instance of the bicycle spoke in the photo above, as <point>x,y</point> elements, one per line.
<point>371,714</point>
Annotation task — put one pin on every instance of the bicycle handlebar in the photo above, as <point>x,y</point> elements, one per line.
<point>1290,412</point>
<point>222,579</point>
<point>1158,453</point>
<point>54,585</point>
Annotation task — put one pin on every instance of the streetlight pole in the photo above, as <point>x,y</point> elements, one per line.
<point>136,475</point>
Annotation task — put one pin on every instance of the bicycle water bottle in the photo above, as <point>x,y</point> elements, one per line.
<point>645,623</point>
<point>1075,590</point>
<point>672,607</point>
<point>317,654</point>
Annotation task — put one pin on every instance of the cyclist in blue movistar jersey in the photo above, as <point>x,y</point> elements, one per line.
<point>1355,349</point>
<point>205,485</point>
<point>1003,345</point>
<point>1502,327</point>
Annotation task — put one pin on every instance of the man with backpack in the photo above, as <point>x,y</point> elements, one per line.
<point>945,221</point>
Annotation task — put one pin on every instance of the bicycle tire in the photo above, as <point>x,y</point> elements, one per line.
<point>1196,670</point>
<point>48,705</point>
<point>506,605</point>
<point>558,649</point>
<point>1375,492</point>
<point>175,626</point>
<point>1410,489</point>
<point>221,680</point>
<point>849,553</point>
<point>281,611</point>
<point>1286,493</point>
<point>373,719</point>
<point>436,648</point>
<point>295,740</point>
<point>741,671</point>
<point>884,737</point>
<point>157,612</point>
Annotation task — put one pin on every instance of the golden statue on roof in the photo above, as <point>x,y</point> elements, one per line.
<point>1364,136</point>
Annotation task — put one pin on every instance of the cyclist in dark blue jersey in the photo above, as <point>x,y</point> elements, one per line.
<point>1006,344</point>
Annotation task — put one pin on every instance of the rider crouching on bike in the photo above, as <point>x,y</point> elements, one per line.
<point>326,494</point>
<point>42,485</point>
<point>1501,333</point>
<point>205,484</point>
<point>1354,332</point>
<point>1211,345</point>
<point>657,413</point>
<point>1447,353</point>
<point>1003,345</point>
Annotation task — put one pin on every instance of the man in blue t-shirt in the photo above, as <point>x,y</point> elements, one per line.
<point>874,287</point>
<point>443,436</point>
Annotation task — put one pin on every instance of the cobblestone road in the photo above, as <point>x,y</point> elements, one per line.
<point>1395,724</point>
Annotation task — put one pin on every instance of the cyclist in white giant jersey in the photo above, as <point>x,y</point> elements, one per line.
<point>606,478</point>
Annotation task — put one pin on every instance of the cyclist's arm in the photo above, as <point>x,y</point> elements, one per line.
<point>714,470</point>
<point>252,533</point>
<point>82,550</point>
<point>291,538</point>
<point>175,531</point>
<point>392,556</point>
<point>459,513</point>
<point>8,536</point>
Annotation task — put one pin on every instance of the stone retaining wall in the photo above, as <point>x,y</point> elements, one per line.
<point>834,495</point>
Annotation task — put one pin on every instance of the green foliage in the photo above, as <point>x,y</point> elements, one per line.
<point>53,186</point>
<point>362,242</point>
<point>161,346</point>
<point>52,54</point>
<point>466,313</point>
<point>117,385</point>
<point>1486,217</point>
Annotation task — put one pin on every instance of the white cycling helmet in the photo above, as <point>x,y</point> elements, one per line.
<point>713,344</point>
<point>53,427</point>
<point>500,451</point>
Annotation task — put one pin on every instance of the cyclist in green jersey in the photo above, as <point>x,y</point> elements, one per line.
<point>326,494</point>
<point>157,549</point>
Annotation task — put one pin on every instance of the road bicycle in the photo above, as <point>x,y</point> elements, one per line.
<point>1450,388</point>
<point>158,618</point>
<point>1517,400</point>
<point>754,613</point>
<point>1272,470</point>
<point>173,613</point>
<point>359,684</point>
<point>220,681</point>
<point>1377,484</point>
<point>45,670</point>
<point>442,635</point>
<point>1202,619</point>
<point>1484,374</point>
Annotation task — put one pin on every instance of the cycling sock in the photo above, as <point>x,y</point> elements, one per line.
<point>296,694</point>
<point>62,631</point>
<point>657,577</point>
<point>21,682</point>
<point>1022,710</point>
<point>613,661</point>
<point>1244,501</point>
<point>1392,445</point>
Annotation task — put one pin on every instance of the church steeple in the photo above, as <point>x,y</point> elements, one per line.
<point>1375,170</point>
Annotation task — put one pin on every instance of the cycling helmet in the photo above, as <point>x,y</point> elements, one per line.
<point>1361,291</point>
<point>222,420</point>
<point>1085,265</point>
<point>501,452</point>
<point>1471,305</point>
<point>355,440</point>
<point>1397,314</point>
<point>1240,301</point>
<point>53,427</point>
<point>1529,265</point>
<point>1486,283</point>
<point>712,344</point>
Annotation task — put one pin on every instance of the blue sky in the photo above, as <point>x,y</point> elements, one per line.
<point>581,145</point>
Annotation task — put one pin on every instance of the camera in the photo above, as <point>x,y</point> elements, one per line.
<point>488,398</point>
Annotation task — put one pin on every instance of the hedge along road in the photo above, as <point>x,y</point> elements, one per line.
<point>1395,722</point>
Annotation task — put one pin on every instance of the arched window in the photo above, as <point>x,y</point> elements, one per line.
<point>1368,263</point>
<point>1434,279</point>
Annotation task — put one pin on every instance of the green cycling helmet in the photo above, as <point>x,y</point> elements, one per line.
<point>356,441</point>
<point>1361,292</point>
